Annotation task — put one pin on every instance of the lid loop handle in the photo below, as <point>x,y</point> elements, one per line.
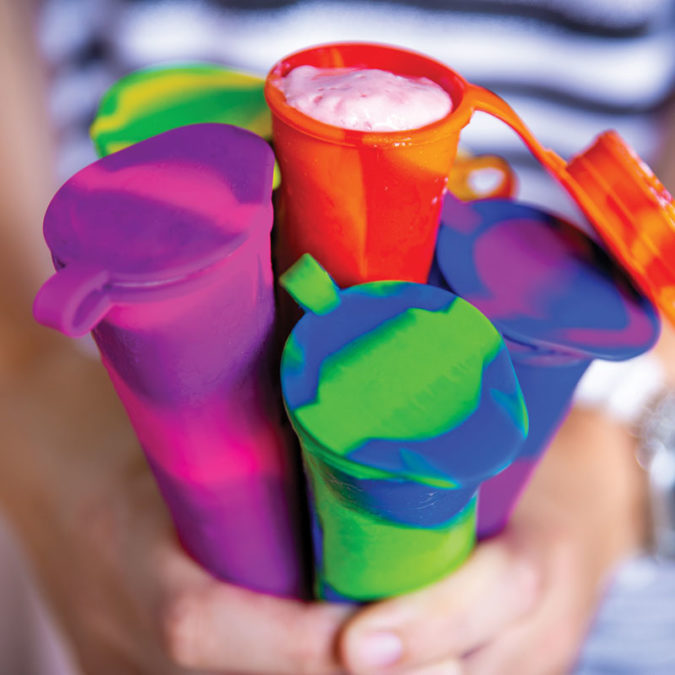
<point>74,299</point>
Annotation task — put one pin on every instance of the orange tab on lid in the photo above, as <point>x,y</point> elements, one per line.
<point>633,213</point>
<point>618,192</point>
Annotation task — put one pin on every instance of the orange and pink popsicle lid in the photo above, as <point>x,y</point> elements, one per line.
<point>633,213</point>
<point>620,195</point>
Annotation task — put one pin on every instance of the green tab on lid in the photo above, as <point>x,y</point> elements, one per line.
<point>311,286</point>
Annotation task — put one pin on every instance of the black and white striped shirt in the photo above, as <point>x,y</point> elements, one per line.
<point>571,68</point>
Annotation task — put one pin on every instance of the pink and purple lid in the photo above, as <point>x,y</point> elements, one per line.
<point>157,213</point>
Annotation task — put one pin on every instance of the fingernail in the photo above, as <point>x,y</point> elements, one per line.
<point>378,650</point>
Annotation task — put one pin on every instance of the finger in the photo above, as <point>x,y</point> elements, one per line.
<point>446,619</point>
<point>206,624</point>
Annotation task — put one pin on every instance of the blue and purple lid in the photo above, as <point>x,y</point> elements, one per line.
<point>547,287</point>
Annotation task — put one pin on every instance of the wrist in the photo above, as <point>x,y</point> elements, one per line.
<point>590,487</point>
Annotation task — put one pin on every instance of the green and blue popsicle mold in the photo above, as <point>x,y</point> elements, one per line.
<point>404,399</point>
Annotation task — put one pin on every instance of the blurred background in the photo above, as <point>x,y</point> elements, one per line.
<point>569,67</point>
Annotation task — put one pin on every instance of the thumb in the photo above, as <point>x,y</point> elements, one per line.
<point>444,620</point>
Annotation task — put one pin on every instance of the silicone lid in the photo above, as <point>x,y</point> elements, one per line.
<point>165,207</point>
<point>400,378</point>
<point>619,194</point>
<point>153,214</point>
<point>634,214</point>
<point>481,177</point>
<point>542,282</point>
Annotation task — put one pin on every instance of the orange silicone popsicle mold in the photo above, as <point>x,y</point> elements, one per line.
<point>366,205</point>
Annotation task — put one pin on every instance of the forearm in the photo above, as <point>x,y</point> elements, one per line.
<point>26,184</point>
<point>76,488</point>
<point>65,440</point>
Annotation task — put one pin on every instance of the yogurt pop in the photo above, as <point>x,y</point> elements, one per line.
<point>381,190</point>
<point>365,99</point>
<point>364,202</point>
<point>377,100</point>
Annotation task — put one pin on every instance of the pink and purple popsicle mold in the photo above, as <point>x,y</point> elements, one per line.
<point>163,251</point>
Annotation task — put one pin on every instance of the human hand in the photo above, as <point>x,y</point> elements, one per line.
<point>156,611</point>
<point>131,601</point>
<point>438,626</point>
<point>524,601</point>
<point>77,486</point>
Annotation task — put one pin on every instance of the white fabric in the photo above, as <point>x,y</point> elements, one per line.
<point>622,390</point>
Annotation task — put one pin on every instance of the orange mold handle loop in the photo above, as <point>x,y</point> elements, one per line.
<point>466,168</point>
<point>483,100</point>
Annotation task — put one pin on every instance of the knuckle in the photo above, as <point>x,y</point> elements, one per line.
<point>559,646</point>
<point>178,625</point>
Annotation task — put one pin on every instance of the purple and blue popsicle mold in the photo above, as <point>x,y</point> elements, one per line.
<point>558,300</point>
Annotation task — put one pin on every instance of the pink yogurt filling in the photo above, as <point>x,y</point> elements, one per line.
<point>365,100</point>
